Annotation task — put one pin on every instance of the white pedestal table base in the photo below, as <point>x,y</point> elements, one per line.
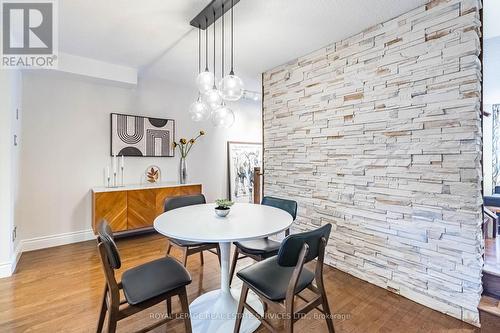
<point>215,311</point>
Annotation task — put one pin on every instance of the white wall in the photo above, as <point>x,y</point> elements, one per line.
<point>487,151</point>
<point>491,86</point>
<point>9,97</point>
<point>66,146</point>
<point>491,59</point>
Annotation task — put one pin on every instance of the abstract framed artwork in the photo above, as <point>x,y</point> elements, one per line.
<point>142,136</point>
<point>242,158</point>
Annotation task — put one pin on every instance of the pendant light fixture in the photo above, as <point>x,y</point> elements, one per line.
<point>231,86</point>
<point>212,97</point>
<point>205,79</point>
<point>199,110</point>
<point>223,116</point>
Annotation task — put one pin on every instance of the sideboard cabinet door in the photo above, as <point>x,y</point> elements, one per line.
<point>141,208</point>
<point>111,206</point>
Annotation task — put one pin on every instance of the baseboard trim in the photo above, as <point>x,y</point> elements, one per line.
<point>16,256</point>
<point>44,242</point>
<point>5,269</point>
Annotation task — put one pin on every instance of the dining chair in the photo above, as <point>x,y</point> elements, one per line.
<point>260,249</point>
<point>279,279</point>
<point>143,286</point>
<point>188,247</point>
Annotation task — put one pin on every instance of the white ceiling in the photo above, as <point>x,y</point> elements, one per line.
<point>155,35</point>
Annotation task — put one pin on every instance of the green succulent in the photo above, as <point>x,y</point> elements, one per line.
<point>224,203</point>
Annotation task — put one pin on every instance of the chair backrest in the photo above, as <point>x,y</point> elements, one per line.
<point>105,236</point>
<point>289,206</point>
<point>183,201</point>
<point>290,248</point>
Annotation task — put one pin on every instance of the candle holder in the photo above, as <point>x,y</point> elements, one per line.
<point>109,181</point>
<point>114,179</point>
<point>122,168</point>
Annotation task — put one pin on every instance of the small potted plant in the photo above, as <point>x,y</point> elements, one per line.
<point>223,207</point>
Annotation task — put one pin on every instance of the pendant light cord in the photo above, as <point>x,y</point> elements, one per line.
<point>206,44</point>
<point>214,52</point>
<point>222,40</point>
<point>232,38</point>
<point>199,49</point>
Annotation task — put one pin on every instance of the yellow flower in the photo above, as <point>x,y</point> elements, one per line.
<point>183,141</point>
<point>174,144</point>
<point>202,132</point>
<point>191,141</point>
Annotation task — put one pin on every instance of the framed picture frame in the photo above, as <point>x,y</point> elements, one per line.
<point>133,135</point>
<point>242,158</point>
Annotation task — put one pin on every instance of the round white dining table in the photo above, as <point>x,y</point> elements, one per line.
<point>215,311</point>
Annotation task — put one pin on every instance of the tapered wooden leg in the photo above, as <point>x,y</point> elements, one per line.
<point>104,307</point>
<point>289,312</point>
<point>112,320</point>
<point>326,311</point>
<point>201,258</point>
<point>239,312</point>
<point>185,256</point>
<point>185,310</point>
<point>169,306</point>
<point>169,247</point>
<point>233,264</point>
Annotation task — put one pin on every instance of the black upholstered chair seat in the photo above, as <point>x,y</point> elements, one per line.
<point>271,279</point>
<point>152,279</point>
<point>265,247</point>
<point>181,242</point>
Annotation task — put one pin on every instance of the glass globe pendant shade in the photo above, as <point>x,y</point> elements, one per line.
<point>231,88</point>
<point>223,117</point>
<point>205,81</point>
<point>199,110</point>
<point>213,98</point>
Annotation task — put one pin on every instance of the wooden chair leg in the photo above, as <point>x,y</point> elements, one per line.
<point>201,258</point>
<point>112,320</point>
<point>169,307</point>
<point>185,310</point>
<point>233,264</point>
<point>185,256</point>
<point>326,311</point>
<point>104,307</point>
<point>289,324</point>
<point>169,248</point>
<point>239,312</point>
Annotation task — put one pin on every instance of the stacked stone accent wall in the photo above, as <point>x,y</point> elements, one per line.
<point>380,135</point>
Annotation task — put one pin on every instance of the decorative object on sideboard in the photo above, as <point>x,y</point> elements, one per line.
<point>185,147</point>
<point>114,168</point>
<point>223,207</point>
<point>141,136</point>
<point>242,158</point>
<point>153,174</point>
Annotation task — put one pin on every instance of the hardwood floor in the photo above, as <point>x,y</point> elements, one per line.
<point>59,290</point>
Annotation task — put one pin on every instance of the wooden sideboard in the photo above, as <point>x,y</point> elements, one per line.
<point>132,208</point>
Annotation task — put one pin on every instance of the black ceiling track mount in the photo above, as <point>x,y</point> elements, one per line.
<point>206,17</point>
